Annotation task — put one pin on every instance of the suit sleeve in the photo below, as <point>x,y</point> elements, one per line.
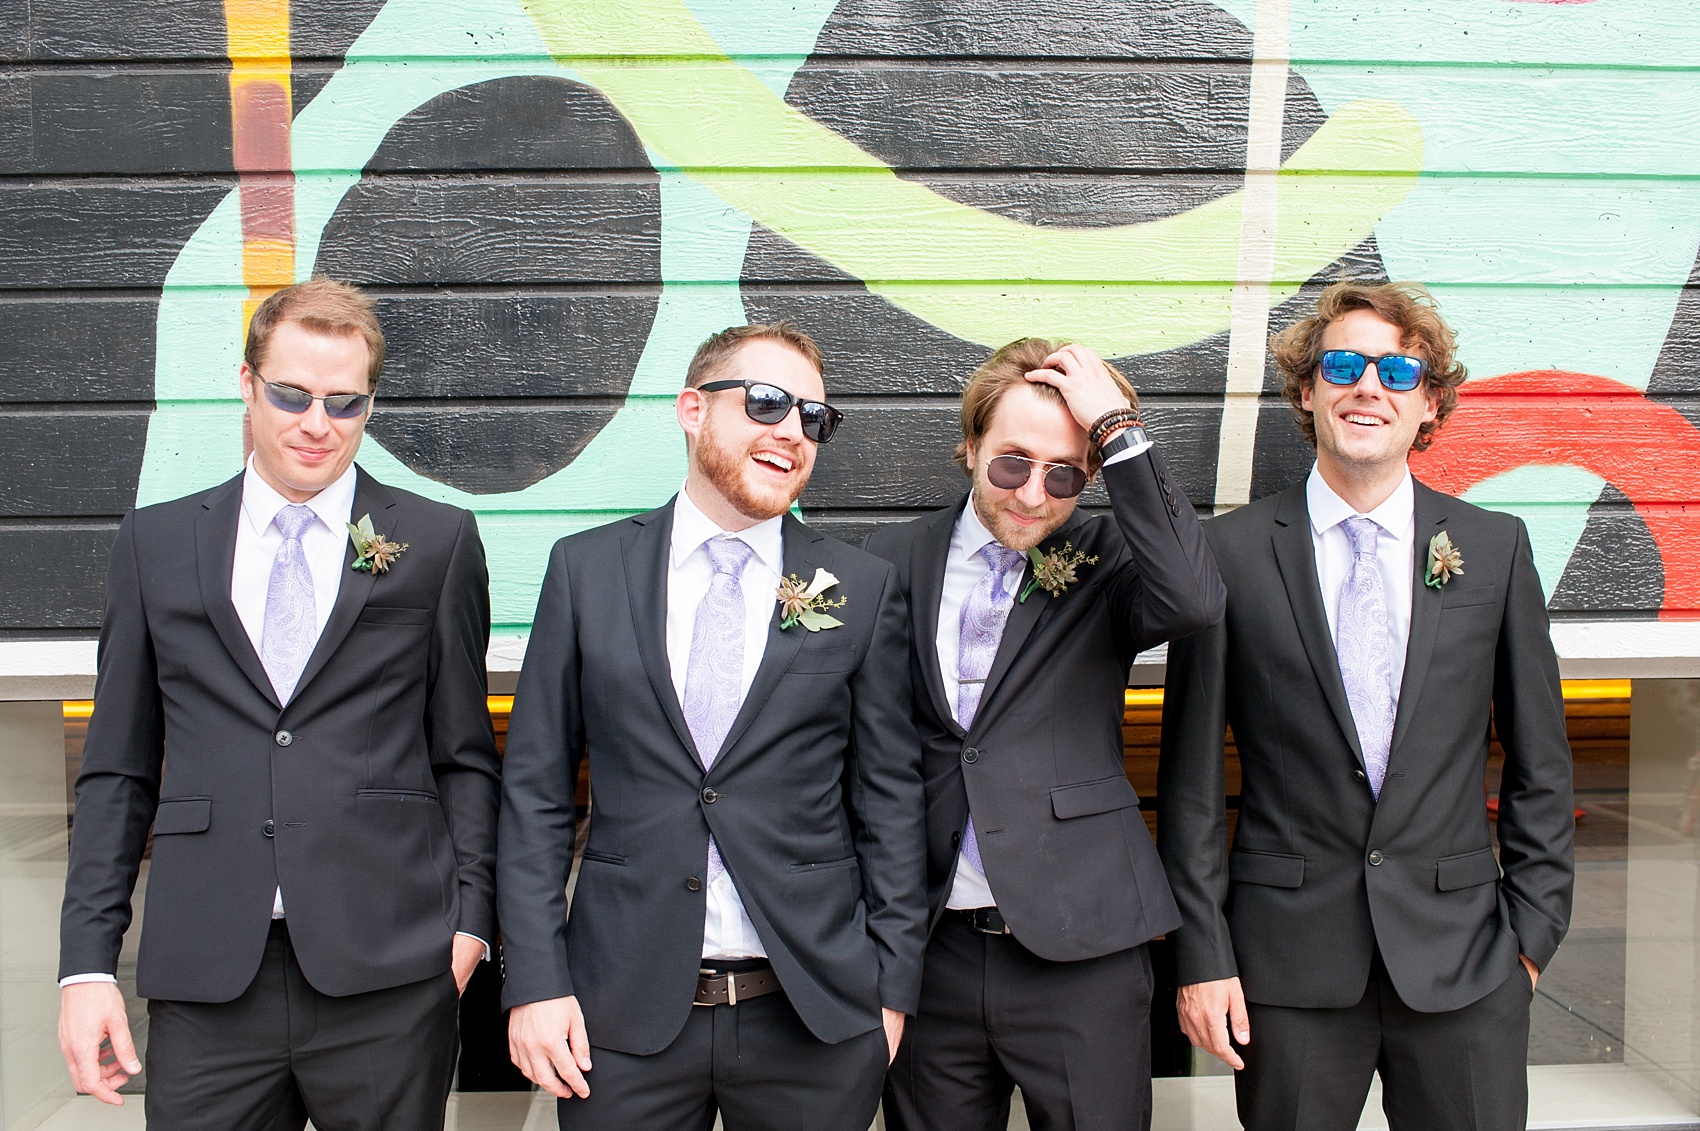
<point>886,799</point>
<point>1192,821</point>
<point>118,788</point>
<point>1537,824</point>
<point>461,741</point>
<point>534,854</point>
<point>1168,587</point>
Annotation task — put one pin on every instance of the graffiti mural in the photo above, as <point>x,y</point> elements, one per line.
<point>554,200</point>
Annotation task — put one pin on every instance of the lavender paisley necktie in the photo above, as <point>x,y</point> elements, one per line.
<point>292,622</point>
<point>983,617</point>
<point>1364,650</point>
<point>714,674</point>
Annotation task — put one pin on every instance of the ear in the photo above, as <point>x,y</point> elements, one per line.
<point>689,407</point>
<point>1306,389</point>
<point>1431,403</point>
<point>245,383</point>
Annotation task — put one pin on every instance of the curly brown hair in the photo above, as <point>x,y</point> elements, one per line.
<point>1005,369</point>
<point>1409,306</point>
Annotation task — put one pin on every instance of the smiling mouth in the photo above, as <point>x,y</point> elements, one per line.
<point>1367,421</point>
<point>773,461</point>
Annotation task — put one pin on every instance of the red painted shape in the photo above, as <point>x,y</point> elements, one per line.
<point>260,151</point>
<point>1549,417</point>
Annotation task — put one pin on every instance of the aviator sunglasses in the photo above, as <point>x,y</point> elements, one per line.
<point>341,406</point>
<point>1396,371</point>
<point>1062,481</point>
<point>768,404</point>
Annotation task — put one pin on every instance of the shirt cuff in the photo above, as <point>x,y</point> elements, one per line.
<point>1129,452</point>
<point>479,941</point>
<point>79,979</point>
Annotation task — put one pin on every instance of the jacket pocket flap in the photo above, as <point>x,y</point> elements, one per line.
<point>1271,869</point>
<point>381,614</point>
<point>819,661</point>
<point>1088,797</point>
<point>1466,870</point>
<point>1469,598</point>
<point>183,815</point>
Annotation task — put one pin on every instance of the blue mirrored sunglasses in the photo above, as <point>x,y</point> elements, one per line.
<point>1396,371</point>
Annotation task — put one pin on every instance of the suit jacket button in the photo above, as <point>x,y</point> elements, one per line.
<point>1358,775</point>
<point>269,828</point>
<point>284,738</point>
<point>970,755</point>
<point>1376,857</point>
<point>693,884</point>
<point>709,796</point>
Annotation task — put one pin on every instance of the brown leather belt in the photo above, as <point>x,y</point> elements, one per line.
<point>730,989</point>
<point>986,920</point>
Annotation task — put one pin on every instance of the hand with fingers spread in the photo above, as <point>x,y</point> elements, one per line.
<point>548,1042</point>
<point>94,1035</point>
<point>1209,1011</point>
<point>1088,386</point>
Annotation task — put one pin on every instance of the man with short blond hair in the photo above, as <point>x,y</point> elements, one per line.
<point>1361,922</point>
<point>1043,884</point>
<point>298,714</point>
<point>747,925</point>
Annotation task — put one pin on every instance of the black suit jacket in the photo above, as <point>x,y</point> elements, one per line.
<point>1066,851</point>
<point>1321,874</point>
<point>814,799</point>
<point>370,797</point>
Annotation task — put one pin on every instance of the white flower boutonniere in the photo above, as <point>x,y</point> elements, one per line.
<point>804,604</point>
<point>375,553</point>
<point>1444,560</point>
<point>1055,572</point>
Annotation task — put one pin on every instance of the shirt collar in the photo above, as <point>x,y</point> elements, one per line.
<point>691,528</point>
<point>970,536</point>
<point>334,505</point>
<point>1328,510</point>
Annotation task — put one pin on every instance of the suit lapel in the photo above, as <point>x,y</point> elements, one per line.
<point>645,554</point>
<point>1430,516</point>
<point>929,559</point>
<point>352,593</point>
<point>1024,617</point>
<point>215,559</point>
<point>1295,554</point>
<point>782,646</point>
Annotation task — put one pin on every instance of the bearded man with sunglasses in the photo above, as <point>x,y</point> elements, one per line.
<point>1361,923</point>
<point>1043,884</point>
<point>300,716</point>
<point>747,925</point>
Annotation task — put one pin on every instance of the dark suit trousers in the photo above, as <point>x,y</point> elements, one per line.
<point>283,1052</point>
<point>754,1064</point>
<point>1074,1036</point>
<point>1463,1070</point>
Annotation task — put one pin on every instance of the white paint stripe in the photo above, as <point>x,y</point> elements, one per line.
<point>1248,323</point>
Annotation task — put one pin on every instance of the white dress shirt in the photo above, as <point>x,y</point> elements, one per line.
<point>727,930</point>
<point>1393,553</point>
<point>963,569</point>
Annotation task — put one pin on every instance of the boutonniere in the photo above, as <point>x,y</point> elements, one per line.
<point>804,604</point>
<point>375,553</point>
<point>1444,560</point>
<point>1054,572</point>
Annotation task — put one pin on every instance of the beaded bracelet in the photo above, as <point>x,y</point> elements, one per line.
<point>1115,418</point>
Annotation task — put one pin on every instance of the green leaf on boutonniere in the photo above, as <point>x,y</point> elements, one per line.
<point>1444,560</point>
<point>1055,572</point>
<point>373,552</point>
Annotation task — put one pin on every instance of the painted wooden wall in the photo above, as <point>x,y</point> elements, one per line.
<point>555,200</point>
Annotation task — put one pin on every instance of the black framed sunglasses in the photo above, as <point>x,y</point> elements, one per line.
<point>768,404</point>
<point>1396,371</point>
<point>1062,481</point>
<point>341,406</point>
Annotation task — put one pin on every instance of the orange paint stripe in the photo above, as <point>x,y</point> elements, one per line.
<point>261,110</point>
